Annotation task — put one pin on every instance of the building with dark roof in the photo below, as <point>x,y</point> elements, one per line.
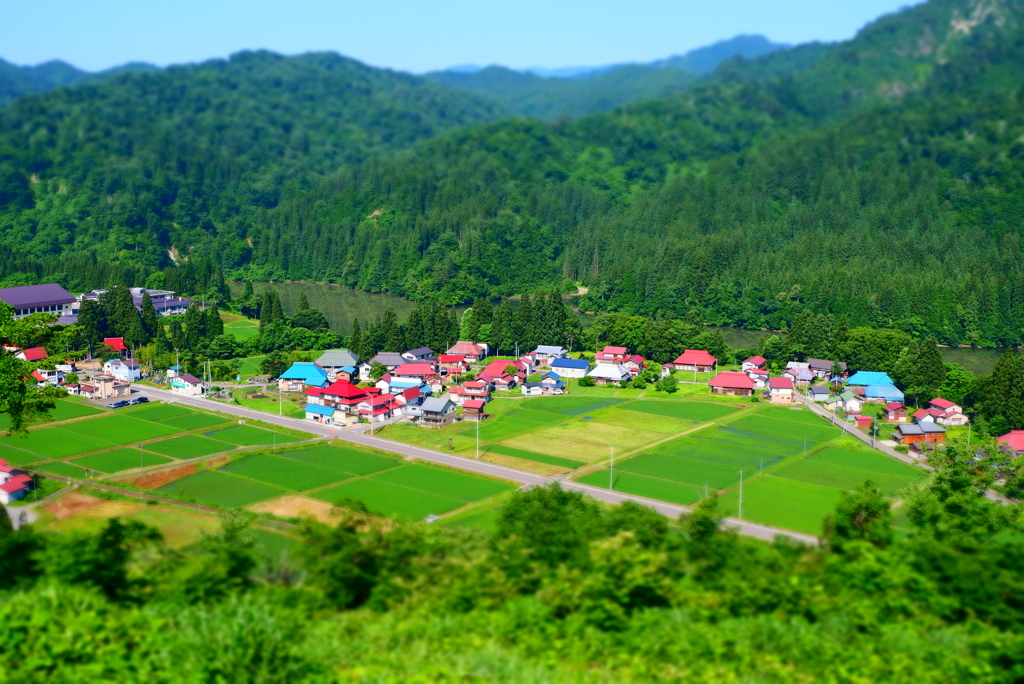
<point>30,299</point>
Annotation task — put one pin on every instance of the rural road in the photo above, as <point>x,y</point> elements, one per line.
<point>359,436</point>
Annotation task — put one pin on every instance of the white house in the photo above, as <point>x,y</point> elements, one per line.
<point>126,370</point>
<point>605,373</point>
<point>187,384</point>
<point>570,368</point>
<point>544,354</point>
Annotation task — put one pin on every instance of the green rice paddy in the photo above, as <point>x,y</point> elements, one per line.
<point>640,485</point>
<point>120,459</point>
<point>121,429</point>
<point>188,446</point>
<point>160,412</point>
<point>218,489</point>
<point>531,456</point>
<point>285,473</point>
<point>342,459</point>
<point>448,483</point>
<point>247,435</point>
<point>387,499</point>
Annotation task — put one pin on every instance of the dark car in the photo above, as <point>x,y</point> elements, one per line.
<point>139,400</point>
<point>118,404</point>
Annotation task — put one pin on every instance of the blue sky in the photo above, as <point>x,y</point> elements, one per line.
<point>414,35</point>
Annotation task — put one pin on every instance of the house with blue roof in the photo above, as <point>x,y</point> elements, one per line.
<point>320,414</point>
<point>866,378</point>
<point>303,375</point>
<point>883,393</point>
<point>570,368</point>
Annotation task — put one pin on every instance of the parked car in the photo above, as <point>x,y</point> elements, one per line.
<point>118,404</point>
<point>139,400</point>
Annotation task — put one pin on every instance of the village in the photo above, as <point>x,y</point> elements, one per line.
<point>432,389</point>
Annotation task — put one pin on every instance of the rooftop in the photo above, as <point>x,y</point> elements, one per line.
<point>30,296</point>
<point>696,357</point>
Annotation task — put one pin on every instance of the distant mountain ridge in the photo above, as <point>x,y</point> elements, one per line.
<point>16,80</point>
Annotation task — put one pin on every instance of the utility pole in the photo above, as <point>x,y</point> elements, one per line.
<point>740,514</point>
<point>611,467</point>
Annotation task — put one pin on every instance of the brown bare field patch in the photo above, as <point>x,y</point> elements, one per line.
<point>159,479</point>
<point>295,507</point>
<point>76,504</point>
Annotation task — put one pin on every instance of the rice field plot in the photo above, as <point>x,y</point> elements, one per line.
<point>584,439</point>
<point>737,456</point>
<point>798,415</point>
<point>649,487</point>
<point>781,502</point>
<point>283,472</point>
<point>686,410</point>
<point>188,446</point>
<point>341,459</point>
<point>684,470</point>
<point>727,438</point>
<point>247,435</point>
<point>447,483</point>
<point>516,420</point>
<point>160,412</point>
<point>570,406</point>
<point>388,499</point>
<point>61,468</point>
<point>121,429</point>
<point>645,422</point>
<point>120,459</point>
<point>55,443</point>
<point>63,410</point>
<point>218,489</point>
<point>195,421</point>
<point>17,457</point>
<point>771,426</point>
<point>866,460</point>
<point>532,456</point>
<point>840,477</point>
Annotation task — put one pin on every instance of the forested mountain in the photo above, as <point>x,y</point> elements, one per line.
<point>602,88</point>
<point>550,98</point>
<point>752,200</point>
<point>878,178</point>
<point>16,81</point>
<point>151,166</point>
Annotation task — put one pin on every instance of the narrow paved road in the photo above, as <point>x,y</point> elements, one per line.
<point>359,436</point>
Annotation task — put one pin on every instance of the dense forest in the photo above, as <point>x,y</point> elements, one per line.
<point>877,179</point>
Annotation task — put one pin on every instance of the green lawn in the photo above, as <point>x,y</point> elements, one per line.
<point>160,412</point>
<point>388,499</point>
<point>649,487</point>
<point>218,489</point>
<point>55,443</point>
<point>530,456</point>
<point>447,483</point>
<point>121,429</point>
<point>781,502</point>
<point>120,459</point>
<point>283,472</point>
<point>188,446</point>
<point>247,435</point>
<point>342,459</point>
<point>195,421</point>
<point>687,410</point>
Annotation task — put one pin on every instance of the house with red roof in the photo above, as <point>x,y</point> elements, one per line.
<point>896,412</point>
<point>115,343</point>
<point>14,483</point>
<point>780,391</point>
<point>612,355</point>
<point>377,409</point>
<point>32,355</point>
<point>695,360</point>
<point>753,362</point>
<point>474,409</point>
<point>414,371</point>
<point>948,413</point>
<point>635,364</point>
<point>732,383</point>
<point>1013,441</point>
<point>474,389</point>
<point>471,351</point>
<point>452,364</point>
<point>338,403</point>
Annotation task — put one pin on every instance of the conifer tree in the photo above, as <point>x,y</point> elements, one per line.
<point>303,302</point>
<point>150,318</point>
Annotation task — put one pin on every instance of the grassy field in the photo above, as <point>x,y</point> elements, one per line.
<point>54,443</point>
<point>188,446</point>
<point>447,483</point>
<point>285,473</point>
<point>195,421</point>
<point>640,485</point>
<point>122,429</point>
<point>217,489</point>
<point>531,456</point>
<point>783,502</point>
<point>342,459</point>
<point>247,435</point>
<point>687,410</point>
<point>61,468</point>
<point>120,459</point>
<point>65,409</point>
<point>388,499</point>
<point>251,366</point>
<point>160,412</point>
